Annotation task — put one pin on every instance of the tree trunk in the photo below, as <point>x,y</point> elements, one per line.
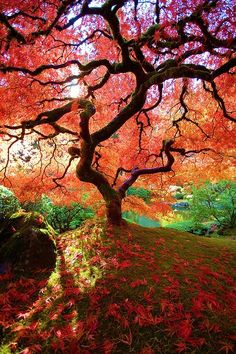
<point>86,173</point>
<point>113,211</point>
<point>112,199</point>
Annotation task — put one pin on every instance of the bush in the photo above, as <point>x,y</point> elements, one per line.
<point>179,196</point>
<point>9,204</point>
<point>61,217</point>
<point>190,226</point>
<point>181,225</point>
<point>142,193</point>
<point>214,203</point>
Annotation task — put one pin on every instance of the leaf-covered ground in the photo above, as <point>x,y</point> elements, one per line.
<point>129,290</point>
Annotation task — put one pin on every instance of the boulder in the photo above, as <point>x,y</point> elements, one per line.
<point>180,206</point>
<point>27,243</point>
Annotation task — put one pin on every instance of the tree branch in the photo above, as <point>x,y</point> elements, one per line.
<point>136,172</point>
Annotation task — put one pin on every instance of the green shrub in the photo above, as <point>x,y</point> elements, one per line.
<point>142,193</point>
<point>9,204</point>
<point>43,205</point>
<point>190,226</point>
<point>214,203</point>
<point>179,196</point>
<point>61,217</point>
<point>181,225</point>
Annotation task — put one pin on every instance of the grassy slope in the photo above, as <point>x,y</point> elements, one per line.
<point>129,290</point>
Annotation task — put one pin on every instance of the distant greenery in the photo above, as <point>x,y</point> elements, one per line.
<point>60,217</point>
<point>142,193</point>
<point>214,202</point>
<point>191,226</point>
<point>210,210</point>
<point>9,204</point>
<point>179,196</point>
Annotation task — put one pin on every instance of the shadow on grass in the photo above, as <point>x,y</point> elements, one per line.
<point>18,293</point>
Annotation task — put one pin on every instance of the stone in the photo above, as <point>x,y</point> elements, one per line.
<point>27,243</point>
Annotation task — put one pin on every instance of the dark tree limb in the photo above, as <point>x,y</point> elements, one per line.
<point>136,172</point>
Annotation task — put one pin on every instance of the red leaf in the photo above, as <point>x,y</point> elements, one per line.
<point>147,350</point>
<point>227,347</point>
<point>113,311</point>
<point>185,329</point>
<point>181,347</point>
<point>155,278</point>
<point>138,282</point>
<point>107,346</point>
<point>124,264</point>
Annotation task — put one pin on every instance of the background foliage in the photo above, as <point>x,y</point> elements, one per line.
<point>60,217</point>
<point>8,202</point>
<point>142,193</point>
<point>215,202</point>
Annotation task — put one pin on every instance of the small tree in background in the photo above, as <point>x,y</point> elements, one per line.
<point>216,202</point>
<point>60,217</point>
<point>9,204</point>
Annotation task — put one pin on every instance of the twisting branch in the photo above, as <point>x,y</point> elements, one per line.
<point>157,11</point>
<point>136,171</point>
<point>167,150</point>
<point>119,171</point>
<point>85,68</point>
<point>88,110</point>
<point>12,32</point>
<point>59,129</point>
<point>8,159</point>
<point>221,102</point>
<point>141,128</point>
<point>56,179</point>
<point>99,85</point>
<point>96,164</point>
<point>184,114</point>
<point>145,112</point>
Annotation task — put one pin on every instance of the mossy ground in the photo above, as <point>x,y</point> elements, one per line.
<point>124,290</point>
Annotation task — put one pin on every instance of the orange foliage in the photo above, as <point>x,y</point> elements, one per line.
<point>46,51</point>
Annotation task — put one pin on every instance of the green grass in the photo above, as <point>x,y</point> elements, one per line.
<point>124,290</point>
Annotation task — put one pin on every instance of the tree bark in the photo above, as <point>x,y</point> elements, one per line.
<point>86,173</point>
<point>112,198</point>
<point>113,210</point>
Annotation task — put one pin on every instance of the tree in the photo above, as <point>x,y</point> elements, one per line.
<point>154,82</point>
<point>215,202</point>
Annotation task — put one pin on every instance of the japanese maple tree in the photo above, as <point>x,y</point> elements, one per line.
<point>124,88</point>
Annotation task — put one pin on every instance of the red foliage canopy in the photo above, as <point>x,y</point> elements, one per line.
<point>136,87</point>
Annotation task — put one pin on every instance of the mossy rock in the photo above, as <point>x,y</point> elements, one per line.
<point>27,242</point>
